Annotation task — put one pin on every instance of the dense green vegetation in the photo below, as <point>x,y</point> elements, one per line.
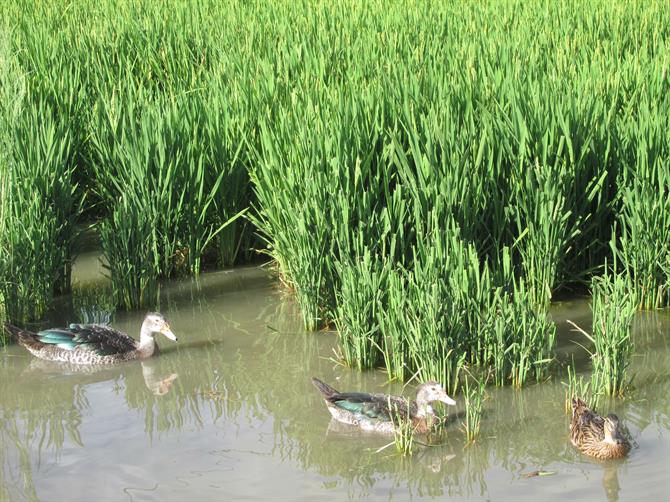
<point>613,308</point>
<point>426,175</point>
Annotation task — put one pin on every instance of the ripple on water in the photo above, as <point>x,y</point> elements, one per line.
<point>230,413</point>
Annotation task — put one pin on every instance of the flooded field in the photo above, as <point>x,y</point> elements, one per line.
<point>229,412</point>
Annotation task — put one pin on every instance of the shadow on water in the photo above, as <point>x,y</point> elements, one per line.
<point>234,396</point>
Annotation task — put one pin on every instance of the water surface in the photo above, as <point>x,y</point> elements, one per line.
<point>229,413</point>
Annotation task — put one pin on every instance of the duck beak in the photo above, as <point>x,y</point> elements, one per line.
<point>168,333</point>
<point>447,400</point>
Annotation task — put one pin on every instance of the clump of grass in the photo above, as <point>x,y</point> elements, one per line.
<point>613,311</point>
<point>543,225</point>
<point>474,399</point>
<point>643,243</point>
<point>423,319</point>
<point>577,385</point>
<point>403,434</point>
<point>532,342</point>
<point>37,230</point>
<point>363,289</point>
<point>133,262</point>
<point>419,331</point>
<point>518,338</point>
<point>323,195</point>
<point>38,202</point>
<point>162,188</point>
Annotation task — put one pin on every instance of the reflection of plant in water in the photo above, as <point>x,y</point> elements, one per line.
<point>649,328</point>
<point>252,370</point>
<point>651,367</point>
<point>529,427</point>
<point>36,416</point>
<point>20,472</point>
<point>204,385</point>
<point>50,411</point>
<point>273,386</point>
<point>342,454</point>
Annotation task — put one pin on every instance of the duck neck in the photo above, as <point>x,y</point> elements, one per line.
<point>424,409</point>
<point>147,342</point>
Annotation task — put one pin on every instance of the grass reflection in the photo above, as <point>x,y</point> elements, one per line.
<point>243,365</point>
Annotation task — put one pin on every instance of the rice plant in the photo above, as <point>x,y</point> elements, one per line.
<point>542,221</point>
<point>363,290</point>
<point>133,261</point>
<point>425,176</point>
<point>613,310</point>
<point>38,194</point>
<point>37,232</point>
<point>403,434</point>
<point>474,399</point>
<point>532,340</point>
<point>422,319</point>
<point>577,385</point>
<point>163,190</point>
<point>642,245</point>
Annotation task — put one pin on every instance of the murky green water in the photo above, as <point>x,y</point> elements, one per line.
<point>229,413</point>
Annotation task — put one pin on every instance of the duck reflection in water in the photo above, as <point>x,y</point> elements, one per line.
<point>157,384</point>
<point>611,483</point>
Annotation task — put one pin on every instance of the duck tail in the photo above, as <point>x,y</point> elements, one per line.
<point>324,388</point>
<point>12,331</point>
<point>19,335</point>
<point>578,404</point>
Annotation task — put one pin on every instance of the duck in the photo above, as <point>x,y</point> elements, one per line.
<point>381,412</point>
<point>93,343</point>
<point>596,436</point>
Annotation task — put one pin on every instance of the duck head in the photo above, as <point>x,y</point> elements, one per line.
<point>154,322</point>
<point>611,428</point>
<point>430,392</point>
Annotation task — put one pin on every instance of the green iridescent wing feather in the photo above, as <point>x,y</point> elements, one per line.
<point>368,405</point>
<point>102,340</point>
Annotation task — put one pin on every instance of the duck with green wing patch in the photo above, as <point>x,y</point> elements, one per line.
<point>93,343</point>
<point>381,412</point>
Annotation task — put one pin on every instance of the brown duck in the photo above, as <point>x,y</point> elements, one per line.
<point>596,436</point>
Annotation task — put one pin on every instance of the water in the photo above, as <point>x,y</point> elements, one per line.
<point>229,413</point>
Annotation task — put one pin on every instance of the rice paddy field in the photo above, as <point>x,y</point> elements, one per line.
<point>425,178</point>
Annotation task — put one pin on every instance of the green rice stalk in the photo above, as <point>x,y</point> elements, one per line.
<point>613,310</point>
<point>577,385</point>
<point>474,399</point>
<point>403,435</point>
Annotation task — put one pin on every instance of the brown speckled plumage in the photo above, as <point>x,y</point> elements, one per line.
<point>594,435</point>
<point>381,412</point>
<point>91,343</point>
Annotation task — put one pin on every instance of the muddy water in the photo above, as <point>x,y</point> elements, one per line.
<point>229,413</point>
